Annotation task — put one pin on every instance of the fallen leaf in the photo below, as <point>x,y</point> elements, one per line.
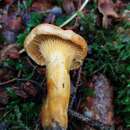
<point>41,5</point>
<point>19,92</point>
<point>100,105</point>
<point>13,54</point>
<point>30,89</point>
<point>9,51</point>
<point>103,99</point>
<point>68,6</point>
<point>106,8</point>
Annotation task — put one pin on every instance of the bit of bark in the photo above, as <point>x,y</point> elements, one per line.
<point>106,8</point>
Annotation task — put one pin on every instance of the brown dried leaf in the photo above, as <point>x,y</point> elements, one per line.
<point>8,1</point>
<point>68,6</point>
<point>9,51</point>
<point>41,5</point>
<point>106,8</point>
<point>19,92</point>
<point>29,89</point>
<point>13,54</point>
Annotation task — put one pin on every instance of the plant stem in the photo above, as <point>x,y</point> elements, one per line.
<point>75,14</point>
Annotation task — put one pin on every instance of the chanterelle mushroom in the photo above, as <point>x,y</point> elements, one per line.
<point>61,51</point>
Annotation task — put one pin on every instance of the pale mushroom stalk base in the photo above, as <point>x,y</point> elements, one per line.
<point>58,63</point>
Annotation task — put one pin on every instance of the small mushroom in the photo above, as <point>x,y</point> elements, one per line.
<point>61,51</point>
<point>106,8</point>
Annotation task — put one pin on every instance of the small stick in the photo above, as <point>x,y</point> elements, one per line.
<point>20,79</point>
<point>75,14</point>
<point>93,123</point>
<point>76,87</point>
<point>21,51</point>
<point>7,82</point>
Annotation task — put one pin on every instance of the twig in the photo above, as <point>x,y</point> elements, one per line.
<point>5,114</point>
<point>7,82</point>
<point>76,87</point>
<point>75,14</point>
<point>21,51</point>
<point>20,79</point>
<point>93,123</point>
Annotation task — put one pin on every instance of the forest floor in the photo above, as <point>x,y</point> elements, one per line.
<point>100,88</point>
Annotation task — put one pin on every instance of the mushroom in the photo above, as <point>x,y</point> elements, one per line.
<point>106,8</point>
<point>61,51</point>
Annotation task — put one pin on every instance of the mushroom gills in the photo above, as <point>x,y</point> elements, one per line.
<point>54,49</point>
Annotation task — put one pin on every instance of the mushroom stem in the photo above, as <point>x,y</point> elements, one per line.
<point>54,111</point>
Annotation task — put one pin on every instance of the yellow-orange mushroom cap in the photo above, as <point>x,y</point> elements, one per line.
<point>46,31</point>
